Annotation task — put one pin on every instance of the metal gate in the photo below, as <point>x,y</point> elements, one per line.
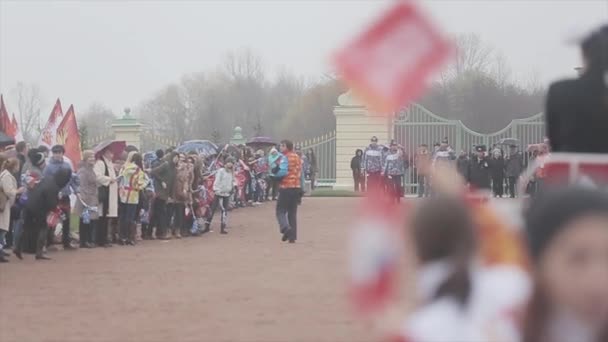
<point>416,125</point>
<point>324,147</point>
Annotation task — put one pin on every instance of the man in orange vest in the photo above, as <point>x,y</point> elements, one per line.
<point>290,192</point>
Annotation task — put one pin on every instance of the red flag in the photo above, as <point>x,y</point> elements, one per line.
<point>68,136</point>
<point>18,133</point>
<point>375,250</point>
<point>5,121</point>
<point>389,65</point>
<point>48,137</point>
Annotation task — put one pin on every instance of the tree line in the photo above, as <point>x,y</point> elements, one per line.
<point>477,88</point>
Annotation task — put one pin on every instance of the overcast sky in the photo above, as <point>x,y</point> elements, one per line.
<point>120,53</point>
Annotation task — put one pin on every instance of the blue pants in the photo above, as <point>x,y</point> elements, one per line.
<point>127,218</point>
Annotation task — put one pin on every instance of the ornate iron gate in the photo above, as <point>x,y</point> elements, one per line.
<point>324,147</point>
<point>416,125</point>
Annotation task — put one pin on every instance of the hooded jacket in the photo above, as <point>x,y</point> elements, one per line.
<point>53,167</point>
<point>355,162</point>
<point>45,196</point>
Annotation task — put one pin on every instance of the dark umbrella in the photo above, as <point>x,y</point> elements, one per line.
<point>116,146</point>
<point>261,142</point>
<point>5,140</point>
<point>202,147</point>
<point>509,141</point>
<point>131,148</point>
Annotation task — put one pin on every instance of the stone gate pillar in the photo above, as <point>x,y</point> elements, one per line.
<point>355,126</point>
<point>128,129</point>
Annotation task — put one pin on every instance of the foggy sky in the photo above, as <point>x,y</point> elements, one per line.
<point>120,53</point>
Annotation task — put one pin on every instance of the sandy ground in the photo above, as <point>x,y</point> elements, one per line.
<point>246,286</point>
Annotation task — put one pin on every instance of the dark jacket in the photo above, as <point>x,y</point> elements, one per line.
<point>165,173</point>
<point>577,115</point>
<point>53,167</point>
<point>479,173</point>
<point>355,163</point>
<point>497,167</point>
<point>514,164</point>
<point>45,196</point>
<point>462,165</point>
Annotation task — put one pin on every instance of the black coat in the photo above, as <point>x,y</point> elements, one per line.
<point>577,115</point>
<point>497,167</point>
<point>514,164</point>
<point>479,173</point>
<point>45,196</point>
<point>462,165</point>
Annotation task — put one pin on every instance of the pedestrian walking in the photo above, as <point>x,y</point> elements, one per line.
<point>223,187</point>
<point>290,193</point>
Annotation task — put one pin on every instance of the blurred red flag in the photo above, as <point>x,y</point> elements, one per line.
<point>48,137</point>
<point>18,133</point>
<point>5,121</point>
<point>390,64</point>
<point>375,249</point>
<point>68,136</point>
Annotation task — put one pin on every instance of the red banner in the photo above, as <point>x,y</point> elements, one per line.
<point>68,136</point>
<point>390,64</point>
<point>48,137</point>
<point>6,126</point>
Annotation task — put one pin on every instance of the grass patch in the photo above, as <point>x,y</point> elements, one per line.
<point>334,193</point>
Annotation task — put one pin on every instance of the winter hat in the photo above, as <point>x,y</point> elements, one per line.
<point>36,157</point>
<point>553,209</point>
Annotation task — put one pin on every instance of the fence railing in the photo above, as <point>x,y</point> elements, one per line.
<point>324,148</point>
<point>416,125</point>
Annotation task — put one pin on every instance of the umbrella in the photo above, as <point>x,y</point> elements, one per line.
<point>509,141</point>
<point>5,140</point>
<point>261,142</point>
<point>131,148</point>
<point>203,147</point>
<point>116,146</point>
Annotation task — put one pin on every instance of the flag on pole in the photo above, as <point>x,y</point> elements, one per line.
<point>390,64</point>
<point>18,133</point>
<point>6,126</point>
<point>68,136</point>
<point>374,252</point>
<point>48,136</point>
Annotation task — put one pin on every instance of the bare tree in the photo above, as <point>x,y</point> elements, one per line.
<point>472,56</point>
<point>97,119</point>
<point>244,65</point>
<point>28,109</point>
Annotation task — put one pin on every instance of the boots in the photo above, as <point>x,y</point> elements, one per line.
<point>223,230</point>
<point>207,228</point>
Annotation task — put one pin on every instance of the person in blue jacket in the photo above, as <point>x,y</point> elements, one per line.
<point>56,163</point>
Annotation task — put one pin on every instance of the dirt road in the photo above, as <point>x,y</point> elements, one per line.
<point>246,286</point>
